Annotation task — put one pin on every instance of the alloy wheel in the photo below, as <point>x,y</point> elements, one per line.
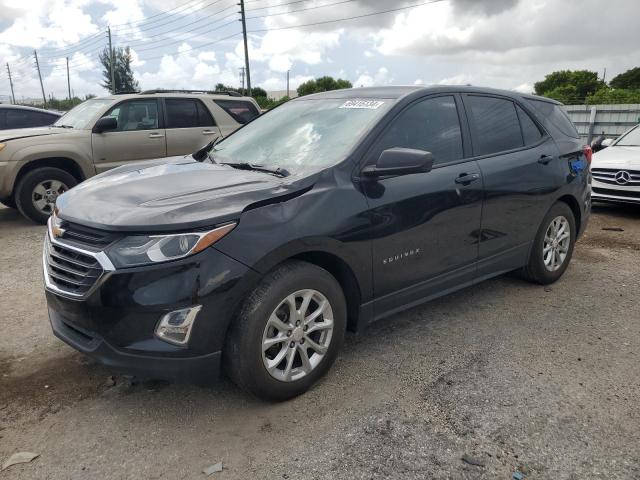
<point>45,193</point>
<point>557,241</point>
<point>297,335</point>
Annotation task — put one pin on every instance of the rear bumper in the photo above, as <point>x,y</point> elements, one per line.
<point>202,369</point>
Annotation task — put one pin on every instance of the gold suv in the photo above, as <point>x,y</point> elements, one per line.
<point>38,164</point>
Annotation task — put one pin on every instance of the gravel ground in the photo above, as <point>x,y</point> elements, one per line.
<point>500,378</point>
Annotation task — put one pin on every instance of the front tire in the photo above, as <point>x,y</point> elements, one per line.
<point>38,190</point>
<point>553,246</point>
<point>288,332</point>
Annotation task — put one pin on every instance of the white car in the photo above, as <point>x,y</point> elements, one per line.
<point>616,170</point>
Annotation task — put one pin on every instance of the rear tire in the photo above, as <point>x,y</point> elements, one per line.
<point>553,246</point>
<point>37,190</point>
<point>258,361</point>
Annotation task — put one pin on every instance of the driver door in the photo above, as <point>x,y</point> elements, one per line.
<point>425,225</point>
<point>139,136</point>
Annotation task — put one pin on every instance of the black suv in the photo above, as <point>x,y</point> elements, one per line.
<point>325,214</point>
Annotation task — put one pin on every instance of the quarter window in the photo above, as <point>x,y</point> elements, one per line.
<point>496,125</point>
<point>187,113</point>
<point>530,132</point>
<point>135,115</point>
<point>431,125</point>
<point>240,110</point>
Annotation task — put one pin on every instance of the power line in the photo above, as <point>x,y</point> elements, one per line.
<point>325,22</point>
<point>300,9</point>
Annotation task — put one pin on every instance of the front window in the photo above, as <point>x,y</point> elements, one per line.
<point>82,116</point>
<point>630,139</point>
<point>302,134</point>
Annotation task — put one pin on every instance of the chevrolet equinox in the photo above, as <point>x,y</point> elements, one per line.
<point>255,254</point>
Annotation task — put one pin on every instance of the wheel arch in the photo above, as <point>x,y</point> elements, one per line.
<point>573,204</point>
<point>63,163</point>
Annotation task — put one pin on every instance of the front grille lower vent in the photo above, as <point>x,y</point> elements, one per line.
<point>68,270</point>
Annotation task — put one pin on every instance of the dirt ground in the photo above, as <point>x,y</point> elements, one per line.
<point>501,378</point>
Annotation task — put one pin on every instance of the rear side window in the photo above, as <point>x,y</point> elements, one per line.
<point>18,118</point>
<point>556,115</point>
<point>497,127</point>
<point>2,121</point>
<point>530,132</point>
<point>431,125</point>
<point>240,110</point>
<point>187,113</point>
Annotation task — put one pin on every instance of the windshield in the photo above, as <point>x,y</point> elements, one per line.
<point>82,115</point>
<point>301,134</point>
<point>630,139</point>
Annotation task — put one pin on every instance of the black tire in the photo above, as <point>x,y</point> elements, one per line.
<point>9,202</point>
<point>536,271</point>
<point>242,356</point>
<point>30,181</point>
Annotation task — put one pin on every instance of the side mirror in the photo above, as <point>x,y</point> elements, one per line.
<point>400,161</point>
<point>607,142</point>
<point>105,124</point>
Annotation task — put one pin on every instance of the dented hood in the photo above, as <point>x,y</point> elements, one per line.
<point>170,195</point>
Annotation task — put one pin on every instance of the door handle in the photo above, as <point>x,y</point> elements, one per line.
<point>545,159</point>
<point>156,135</point>
<point>467,178</point>
<point>208,132</point>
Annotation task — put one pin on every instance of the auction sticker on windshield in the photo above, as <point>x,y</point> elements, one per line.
<point>369,104</point>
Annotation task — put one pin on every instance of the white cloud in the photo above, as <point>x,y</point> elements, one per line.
<point>381,77</point>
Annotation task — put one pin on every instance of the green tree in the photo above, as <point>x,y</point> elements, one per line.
<point>569,86</point>
<point>629,79</point>
<point>608,95</point>
<point>123,74</point>
<point>322,84</point>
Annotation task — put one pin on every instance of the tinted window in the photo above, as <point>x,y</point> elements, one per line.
<point>204,116</point>
<point>2,115</point>
<point>431,125</point>
<point>240,110</point>
<point>496,124</point>
<point>556,115</point>
<point>135,115</point>
<point>530,131</point>
<point>18,118</point>
<point>181,113</point>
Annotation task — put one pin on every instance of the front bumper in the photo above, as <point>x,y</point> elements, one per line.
<point>202,369</point>
<point>115,322</point>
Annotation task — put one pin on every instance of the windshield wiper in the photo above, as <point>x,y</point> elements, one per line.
<point>281,172</point>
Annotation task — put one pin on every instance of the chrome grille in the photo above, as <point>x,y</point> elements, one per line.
<point>608,175</point>
<point>69,271</point>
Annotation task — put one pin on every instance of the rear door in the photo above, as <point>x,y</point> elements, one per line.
<point>190,125</point>
<point>521,172</point>
<point>424,224</point>
<point>140,135</point>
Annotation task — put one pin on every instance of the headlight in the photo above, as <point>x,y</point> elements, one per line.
<point>145,249</point>
<point>2,145</point>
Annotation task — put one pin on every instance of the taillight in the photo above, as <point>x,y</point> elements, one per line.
<point>588,153</point>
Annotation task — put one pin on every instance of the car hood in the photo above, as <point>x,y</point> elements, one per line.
<point>617,157</point>
<point>18,133</point>
<point>171,195</point>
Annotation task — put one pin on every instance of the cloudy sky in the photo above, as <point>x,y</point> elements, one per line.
<point>196,44</point>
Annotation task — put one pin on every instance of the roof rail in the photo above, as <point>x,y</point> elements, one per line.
<point>210,92</point>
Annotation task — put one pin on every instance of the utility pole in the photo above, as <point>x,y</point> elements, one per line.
<point>246,47</point>
<point>13,97</point>
<point>68,80</point>
<point>287,83</point>
<point>44,97</point>
<point>604,75</point>
<point>112,63</point>
<point>242,70</point>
